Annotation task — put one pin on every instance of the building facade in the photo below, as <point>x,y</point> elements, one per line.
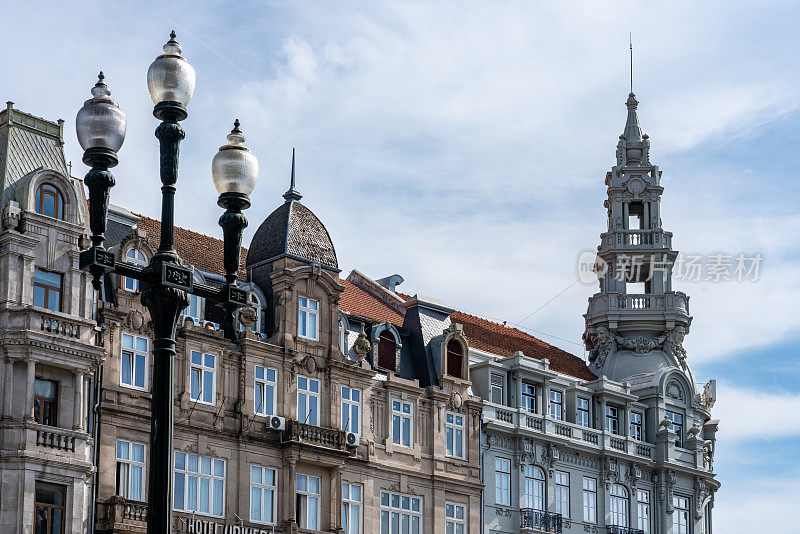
<point>625,444</point>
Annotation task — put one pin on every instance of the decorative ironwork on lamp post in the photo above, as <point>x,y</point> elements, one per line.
<point>166,282</point>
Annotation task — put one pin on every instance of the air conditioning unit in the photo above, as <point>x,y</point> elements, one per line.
<point>276,423</point>
<point>352,439</point>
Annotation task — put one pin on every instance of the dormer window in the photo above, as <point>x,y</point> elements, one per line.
<point>308,310</point>
<point>387,351</point>
<point>49,201</point>
<point>455,358</point>
<point>134,257</point>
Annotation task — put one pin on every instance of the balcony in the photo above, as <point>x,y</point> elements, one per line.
<point>613,529</point>
<point>610,306</point>
<point>34,320</point>
<point>118,514</point>
<point>636,240</point>
<point>531,520</point>
<point>52,440</point>
<point>328,438</point>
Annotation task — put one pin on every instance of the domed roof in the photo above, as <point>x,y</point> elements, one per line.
<point>292,230</point>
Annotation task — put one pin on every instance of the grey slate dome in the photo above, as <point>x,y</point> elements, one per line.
<point>292,230</point>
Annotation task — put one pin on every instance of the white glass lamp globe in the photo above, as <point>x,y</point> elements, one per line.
<point>234,168</point>
<point>170,77</point>
<point>100,123</point>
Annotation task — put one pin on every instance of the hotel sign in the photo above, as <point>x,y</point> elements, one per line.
<point>202,526</point>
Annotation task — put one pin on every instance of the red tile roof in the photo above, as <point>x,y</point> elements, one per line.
<point>358,301</point>
<point>482,334</point>
<point>196,249</point>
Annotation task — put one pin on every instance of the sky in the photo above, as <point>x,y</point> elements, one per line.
<point>464,146</point>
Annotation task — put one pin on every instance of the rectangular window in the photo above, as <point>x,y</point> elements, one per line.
<point>502,481</point>
<point>557,404</point>
<point>202,372</point>
<point>308,400</point>
<point>454,430</point>
<point>582,411</point>
<point>193,309</point>
<point>47,290</point>
<point>562,493</point>
<point>676,426</point>
<point>643,511</point>
<point>199,484</point>
<point>402,423</point>
<point>265,391</point>
<point>351,410</point>
<point>612,419</point>
<point>263,495</point>
<point>455,520</point>
<point>589,500</point>
<point>637,426</point>
<point>130,470</point>
<point>307,503</point>
<point>133,362</point>
<point>45,402</point>
<point>497,389</point>
<point>680,517</point>
<point>529,398</point>
<point>308,310</point>
<point>351,508</point>
<point>400,514</point>
<point>51,509</point>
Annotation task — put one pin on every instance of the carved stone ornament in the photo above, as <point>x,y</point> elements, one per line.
<point>675,391</point>
<point>601,346</point>
<point>456,401</point>
<point>361,345</point>
<point>640,344</point>
<point>248,317</point>
<point>674,343</point>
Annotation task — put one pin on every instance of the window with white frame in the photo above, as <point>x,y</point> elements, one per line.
<point>199,484</point>
<point>266,389</point>
<point>400,514</point>
<point>557,404</point>
<point>454,433</point>
<point>643,511</point>
<point>193,309</point>
<point>133,362</point>
<point>263,495</point>
<point>528,397</point>
<point>612,419</point>
<point>589,500</point>
<point>134,257</point>
<point>502,481</point>
<point>351,410</point>
<point>308,400</point>
<point>307,503</point>
<point>618,505</point>
<point>680,516</point>
<point>582,411</point>
<point>497,388</point>
<point>455,520</point>
<point>130,470</point>
<point>307,312</point>
<point>535,488</point>
<point>562,493</point>
<point>202,377</point>
<point>676,425</point>
<point>637,426</point>
<point>351,508</point>
<point>402,423</point>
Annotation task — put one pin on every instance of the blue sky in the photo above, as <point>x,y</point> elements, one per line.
<point>464,146</point>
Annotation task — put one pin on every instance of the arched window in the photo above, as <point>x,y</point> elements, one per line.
<point>135,257</point>
<point>49,201</point>
<point>455,358</point>
<point>387,351</point>
<point>535,492</point>
<point>619,505</point>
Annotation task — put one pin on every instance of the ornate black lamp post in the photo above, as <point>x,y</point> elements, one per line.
<point>166,282</point>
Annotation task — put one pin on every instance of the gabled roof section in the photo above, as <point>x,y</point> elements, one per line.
<point>200,250</point>
<point>356,300</point>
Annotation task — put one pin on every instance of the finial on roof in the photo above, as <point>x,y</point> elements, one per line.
<point>172,34</point>
<point>630,44</point>
<point>633,132</point>
<point>292,193</point>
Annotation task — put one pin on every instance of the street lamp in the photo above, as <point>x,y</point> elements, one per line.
<point>166,282</point>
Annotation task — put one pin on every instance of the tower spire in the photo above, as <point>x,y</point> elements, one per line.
<point>292,193</point>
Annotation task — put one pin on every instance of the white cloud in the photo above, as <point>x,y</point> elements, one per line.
<point>753,415</point>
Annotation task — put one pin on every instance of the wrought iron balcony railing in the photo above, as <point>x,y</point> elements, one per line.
<point>541,521</point>
<point>614,529</point>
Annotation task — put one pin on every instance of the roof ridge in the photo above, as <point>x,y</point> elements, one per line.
<point>182,228</point>
<point>511,328</point>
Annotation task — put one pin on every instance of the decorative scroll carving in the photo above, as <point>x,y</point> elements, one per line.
<point>640,344</point>
<point>601,345</point>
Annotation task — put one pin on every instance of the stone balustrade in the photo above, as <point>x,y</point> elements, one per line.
<point>121,514</point>
<point>330,438</point>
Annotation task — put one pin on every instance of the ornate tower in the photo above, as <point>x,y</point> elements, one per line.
<point>636,323</point>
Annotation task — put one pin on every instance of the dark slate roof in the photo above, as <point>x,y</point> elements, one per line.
<point>116,232</point>
<point>292,230</point>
